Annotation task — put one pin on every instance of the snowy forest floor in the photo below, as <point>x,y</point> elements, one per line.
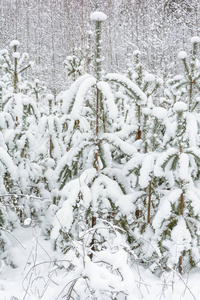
<point>36,273</point>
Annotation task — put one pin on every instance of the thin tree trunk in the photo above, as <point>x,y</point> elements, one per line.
<point>149,205</point>
<point>139,132</point>
<point>15,83</point>
<point>180,269</point>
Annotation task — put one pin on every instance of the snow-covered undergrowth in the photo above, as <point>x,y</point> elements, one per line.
<point>110,171</point>
<point>41,273</point>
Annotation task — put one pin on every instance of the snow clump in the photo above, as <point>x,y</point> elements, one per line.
<point>16,55</point>
<point>14,43</point>
<point>146,111</point>
<point>182,55</point>
<point>180,106</point>
<point>195,39</point>
<point>149,77</point>
<point>49,97</point>
<point>98,16</point>
<point>159,112</point>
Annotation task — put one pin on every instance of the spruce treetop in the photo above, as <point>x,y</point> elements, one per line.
<point>98,16</point>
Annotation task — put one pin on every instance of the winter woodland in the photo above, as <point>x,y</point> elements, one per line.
<point>100,170</point>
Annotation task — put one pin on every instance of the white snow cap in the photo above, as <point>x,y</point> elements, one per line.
<point>149,77</point>
<point>14,43</point>
<point>31,63</point>
<point>180,106</point>
<point>136,52</point>
<point>50,97</point>
<point>195,39</point>
<point>98,16</point>
<point>146,111</point>
<point>2,84</point>
<point>16,55</point>
<point>159,112</point>
<point>182,55</point>
<point>3,52</point>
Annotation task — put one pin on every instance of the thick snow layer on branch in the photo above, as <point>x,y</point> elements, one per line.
<point>146,111</point>
<point>181,236</point>
<point>88,176</point>
<point>193,194</point>
<point>159,112</point>
<point>127,131</point>
<point>182,55</point>
<point>134,162</point>
<point>118,143</point>
<point>64,219</point>
<point>192,129</point>
<point>106,91</point>
<point>7,163</point>
<point>149,77</point>
<point>127,83</point>
<point>125,203</point>
<point>104,187</point>
<point>98,16</point>
<point>180,106</point>
<point>183,166</point>
<point>164,209</point>
<point>69,95</point>
<point>6,120</point>
<point>147,168</point>
<point>80,96</point>
<point>14,43</point>
<point>162,214</point>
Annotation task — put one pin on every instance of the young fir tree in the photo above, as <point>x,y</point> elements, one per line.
<point>50,147</point>
<point>149,125</point>
<point>177,220</point>
<point>15,66</point>
<point>187,85</point>
<point>8,217</point>
<point>130,104</point>
<point>145,186</point>
<point>89,178</point>
<point>21,143</point>
<point>37,91</point>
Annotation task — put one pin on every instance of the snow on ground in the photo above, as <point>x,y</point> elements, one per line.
<point>35,277</point>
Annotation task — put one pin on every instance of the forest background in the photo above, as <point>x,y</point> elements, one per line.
<point>100,151</point>
<point>51,30</point>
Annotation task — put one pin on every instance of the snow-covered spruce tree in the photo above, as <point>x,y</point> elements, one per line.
<point>177,221</point>
<point>91,184</point>
<point>15,66</point>
<point>133,103</point>
<point>187,85</point>
<point>21,142</point>
<point>89,179</point>
<point>74,65</point>
<point>148,121</point>
<point>19,136</point>
<point>145,186</point>
<point>80,61</point>
<point>8,217</point>
<point>37,90</point>
<point>50,146</point>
